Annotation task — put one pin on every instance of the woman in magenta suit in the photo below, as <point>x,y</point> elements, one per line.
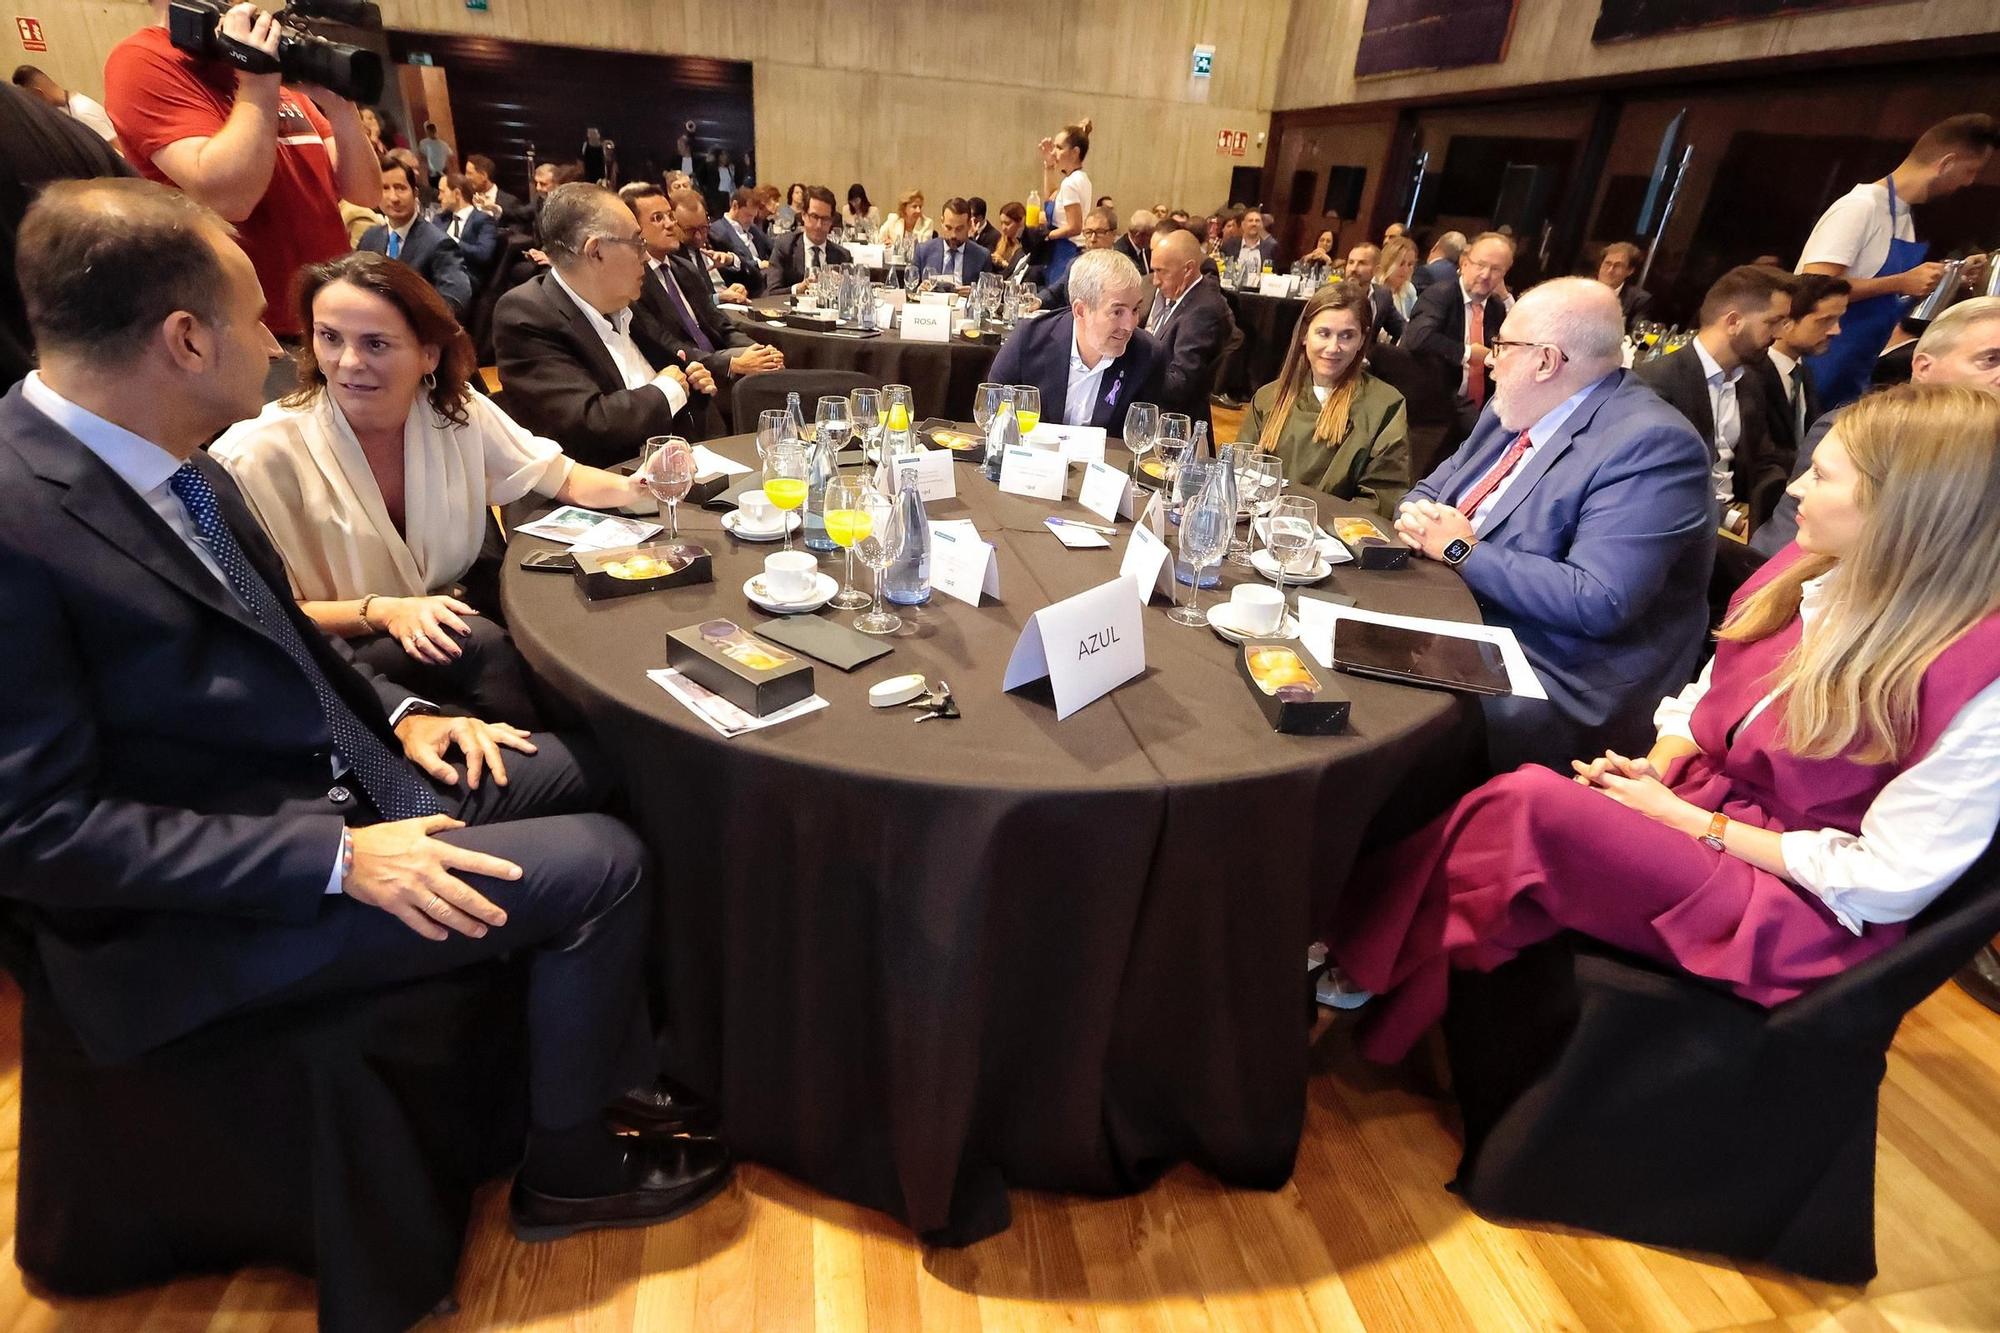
<point>1835,767</point>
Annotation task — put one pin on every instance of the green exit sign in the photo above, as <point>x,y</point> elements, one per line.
<point>1204,62</point>
<point>475,4</point>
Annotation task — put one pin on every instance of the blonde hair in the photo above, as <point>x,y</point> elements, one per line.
<point>1296,376</point>
<point>1925,569</point>
<point>1393,251</point>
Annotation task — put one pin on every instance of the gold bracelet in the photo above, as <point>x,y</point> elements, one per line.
<point>364,610</point>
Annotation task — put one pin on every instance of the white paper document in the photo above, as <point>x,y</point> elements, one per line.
<point>1087,645</point>
<point>721,714</point>
<point>588,530</point>
<point>1075,536</point>
<point>708,463</point>
<point>1319,620</point>
<point>963,564</point>
<point>1039,474</point>
<point>1106,491</point>
<point>1078,444</point>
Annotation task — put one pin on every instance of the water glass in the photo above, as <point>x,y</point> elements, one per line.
<point>1142,423</point>
<point>986,400</point>
<point>1259,480</point>
<point>865,405</point>
<point>1175,435</point>
<point>878,549</point>
<point>833,425</point>
<point>1205,527</point>
<point>1291,535</point>
<point>774,426</point>
<point>667,467</point>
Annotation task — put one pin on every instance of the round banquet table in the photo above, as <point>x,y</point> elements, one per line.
<point>942,376</point>
<point>1267,323</point>
<point>921,962</point>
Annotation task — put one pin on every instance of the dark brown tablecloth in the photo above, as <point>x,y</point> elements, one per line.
<point>942,376</point>
<point>919,963</point>
<point>1267,323</point>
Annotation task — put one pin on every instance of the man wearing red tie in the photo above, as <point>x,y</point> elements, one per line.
<point>1450,326</point>
<point>1578,513</point>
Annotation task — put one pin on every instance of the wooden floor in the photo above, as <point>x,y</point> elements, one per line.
<point>1364,1237</point>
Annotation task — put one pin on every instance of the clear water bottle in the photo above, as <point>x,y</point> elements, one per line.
<point>907,582</point>
<point>821,469</point>
<point>1225,463</point>
<point>1198,448</point>
<point>1002,434</point>
<point>798,412</point>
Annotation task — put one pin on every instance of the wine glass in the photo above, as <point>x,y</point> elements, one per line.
<point>1259,479</point>
<point>986,400</point>
<point>1204,535</point>
<point>878,548</point>
<point>785,471</point>
<point>1027,406</point>
<point>833,425</point>
<point>846,523</point>
<point>1142,423</point>
<point>666,466</point>
<point>1175,436</point>
<point>865,405</point>
<point>1291,535</point>
<point>774,425</point>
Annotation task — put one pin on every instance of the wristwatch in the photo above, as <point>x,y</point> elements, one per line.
<point>1713,838</point>
<point>1456,550</point>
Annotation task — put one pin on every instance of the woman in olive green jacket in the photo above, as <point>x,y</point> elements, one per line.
<point>1337,428</point>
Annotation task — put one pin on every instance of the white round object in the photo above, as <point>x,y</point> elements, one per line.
<point>824,588</point>
<point>896,690</point>
<point>733,524</point>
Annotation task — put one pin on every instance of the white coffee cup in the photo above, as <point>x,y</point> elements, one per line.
<point>755,510</point>
<point>790,575</point>
<point>1257,607</point>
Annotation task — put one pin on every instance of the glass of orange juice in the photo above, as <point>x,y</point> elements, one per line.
<point>1027,406</point>
<point>785,470</point>
<point>847,522</point>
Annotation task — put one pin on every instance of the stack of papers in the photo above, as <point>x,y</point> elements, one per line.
<point>588,530</point>
<point>718,712</point>
<point>1319,618</point>
<point>707,463</point>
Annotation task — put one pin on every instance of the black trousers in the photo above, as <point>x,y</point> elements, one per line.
<point>579,912</point>
<point>487,681</point>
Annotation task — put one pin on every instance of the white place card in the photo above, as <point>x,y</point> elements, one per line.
<point>1087,645</point>
<point>1078,444</point>
<point>1107,492</point>
<point>1148,564</point>
<point>1040,474</point>
<point>1319,621</point>
<point>945,297</point>
<point>926,323</point>
<point>1274,284</point>
<point>963,563</point>
<point>932,470</point>
<point>871,255</point>
<point>1075,535</point>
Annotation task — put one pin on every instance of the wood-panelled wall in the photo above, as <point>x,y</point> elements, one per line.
<point>1551,44</point>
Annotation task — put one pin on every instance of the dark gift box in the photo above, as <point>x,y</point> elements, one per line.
<point>1296,698</point>
<point>756,675</point>
<point>624,570</point>
<point>1371,547</point>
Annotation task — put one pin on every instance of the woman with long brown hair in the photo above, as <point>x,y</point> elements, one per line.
<point>1337,428</point>
<point>374,479</point>
<point>1829,774</point>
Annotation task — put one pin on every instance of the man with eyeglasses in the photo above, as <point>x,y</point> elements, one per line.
<point>1578,513</point>
<point>1100,232</point>
<point>1451,322</point>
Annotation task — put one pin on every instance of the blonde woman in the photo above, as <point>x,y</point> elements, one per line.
<point>1337,428</point>
<point>1828,775</point>
<point>908,221</point>
<point>1395,297</point>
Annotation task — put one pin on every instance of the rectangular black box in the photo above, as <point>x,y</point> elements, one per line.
<point>754,674</point>
<point>683,563</point>
<point>1296,707</point>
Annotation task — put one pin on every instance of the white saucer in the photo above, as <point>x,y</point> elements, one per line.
<point>1222,619</point>
<point>1262,562</point>
<point>824,587</point>
<point>732,523</point>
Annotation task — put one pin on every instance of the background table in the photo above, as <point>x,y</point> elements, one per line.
<point>919,963</point>
<point>1267,323</point>
<point>942,376</point>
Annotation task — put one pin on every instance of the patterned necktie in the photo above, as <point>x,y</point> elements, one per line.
<point>1475,368</point>
<point>395,244</point>
<point>392,785</point>
<point>1469,503</point>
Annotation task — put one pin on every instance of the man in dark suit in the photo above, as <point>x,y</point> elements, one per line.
<point>1782,382</point>
<point>1137,242</point>
<point>476,234</point>
<point>1704,381</point>
<point>1254,244</point>
<point>733,232</point>
<point>420,244</point>
<point>1578,514</point>
<point>1192,323</point>
<point>206,808</point>
<point>1450,327</point>
<point>806,248</point>
<point>950,254</point>
<point>505,209</point>
<point>982,231</point>
<point>1442,263</point>
<point>581,361</point>
<point>1615,269</point>
<point>1092,360</point>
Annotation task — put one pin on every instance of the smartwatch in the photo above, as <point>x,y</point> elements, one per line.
<point>1712,839</point>
<point>1456,550</point>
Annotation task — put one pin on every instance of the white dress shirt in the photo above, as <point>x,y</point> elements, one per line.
<point>1722,403</point>
<point>454,226</point>
<point>1163,315</point>
<point>616,335</point>
<point>1084,381</point>
<point>1923,828</point>
<point>92,114</point>
<point>1539,434</point>
<point>1795,392</point>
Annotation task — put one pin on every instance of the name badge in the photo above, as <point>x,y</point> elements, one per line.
<point>926,323</point>
<point>1040,474</point>
<point>1087,645</point>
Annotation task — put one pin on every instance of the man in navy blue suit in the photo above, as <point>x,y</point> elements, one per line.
<point>1579,514</point>
<point>950,253</point>
<point>1092,360</point>
<point>473,231</point>
<point>420,244</point>
<point>735,232</point>
<point>206,807</point>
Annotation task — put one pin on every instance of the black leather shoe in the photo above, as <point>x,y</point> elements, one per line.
<point>1981,978</point>
<point>664,1108</point>
<point>665,1178</point>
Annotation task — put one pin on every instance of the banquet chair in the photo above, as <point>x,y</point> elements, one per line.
<point>341,1138</point>
<point>1604,1092</point>
<point>766,392</point>
<point>1427,410</point>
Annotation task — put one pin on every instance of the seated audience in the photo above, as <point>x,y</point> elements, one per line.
<point>1703,381</point>
<point>1253,246</point>
<point>1442,262</point>
<point>735,233</point>
<point>416,242</point>
<point>419,182</point>
<point>374,482</point>
<point>581,361</point>
<point>1961,346</point>
<point>1893,366</point>
<point>77,106</point>
<point>760,227</point>
<point>809,246</point>
<point>1395,295</point>
<point>208,809</point>
<point>950,254</point>
<point>1322,251</point>
<point>1098,233</point>
<point>468,227</point>
<point>489,198</point>
<point>1452,321</point>
<point>690,216</point>
<point>1782,382</point>
<point>1137,242</point>
<point>734,352</point>
<point>984,232</point>
<point>1336,427</point>
<point>1615,270</point>
<point>908,222</point>
<point>1010,253</point>
<point>1392,231</point>
<point>1361,261</point>
<point>1578,514</point>
<point>787,218</point>
<point>1091,360</point>
<point>1192,323</point>
<point>1827,776</point>
<point>860,215</point>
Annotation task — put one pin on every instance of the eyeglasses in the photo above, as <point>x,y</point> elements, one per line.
<point>1095,231</point>
<point>636,242</point>
<point>1500,345</point>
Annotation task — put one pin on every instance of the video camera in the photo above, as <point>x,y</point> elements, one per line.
<point>304,56</point>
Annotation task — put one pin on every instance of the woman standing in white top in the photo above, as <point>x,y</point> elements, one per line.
<point>374,480</point>
<point>1069,193</point>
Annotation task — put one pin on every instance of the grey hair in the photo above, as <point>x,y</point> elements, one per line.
<point>1098,274</point>
<point>574,214</point>
<point>1582,317</point>
<point>1941,338</point>
<point>1143,220</point>
<point>1450,245</point>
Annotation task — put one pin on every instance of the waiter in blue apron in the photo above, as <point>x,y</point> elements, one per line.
<point>1868,238</point>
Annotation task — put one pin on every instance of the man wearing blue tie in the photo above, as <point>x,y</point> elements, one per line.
<point>416,242</point>
<point>1578,513</point>
<point>949,254</point>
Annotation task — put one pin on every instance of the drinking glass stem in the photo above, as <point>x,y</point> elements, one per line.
<point>673,520</point>
<point>850,570</point>
<point>1194,590</point>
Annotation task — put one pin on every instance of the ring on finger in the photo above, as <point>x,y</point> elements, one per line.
<point>430,908</point>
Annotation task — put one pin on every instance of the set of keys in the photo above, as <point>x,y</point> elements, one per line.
<point>936,703</point>
<point>914,691</point>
